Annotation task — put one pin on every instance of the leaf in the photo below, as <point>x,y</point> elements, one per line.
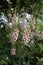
<point>41,47</point>
<point>28,63</point>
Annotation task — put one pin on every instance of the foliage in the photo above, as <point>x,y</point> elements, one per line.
<point>21,32</point>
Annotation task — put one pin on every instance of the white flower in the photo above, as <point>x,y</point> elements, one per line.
<point>9,1</point>
<point>28,16</point>
<point>12,9</point>
<point>3,18</point>
<point>2,26</point>
<point>13,51</point>
<point>10,25</point>
<point>7,58</point>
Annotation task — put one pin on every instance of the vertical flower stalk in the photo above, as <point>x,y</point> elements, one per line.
<point>14,34</point>
<point>26,37</point>
<point>32,23</point>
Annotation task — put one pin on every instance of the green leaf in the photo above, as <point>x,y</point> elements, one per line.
<point>41,47</point>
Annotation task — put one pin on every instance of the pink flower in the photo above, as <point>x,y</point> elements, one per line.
<point>14,34</point>
<point>13,20</point>
<point>13,51</point>
<point>32,41</point>
<point>42,33</point>
<point>26,37</point>
<point>33,33</point>
<point>22,25</point>
<point>29,31</point>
